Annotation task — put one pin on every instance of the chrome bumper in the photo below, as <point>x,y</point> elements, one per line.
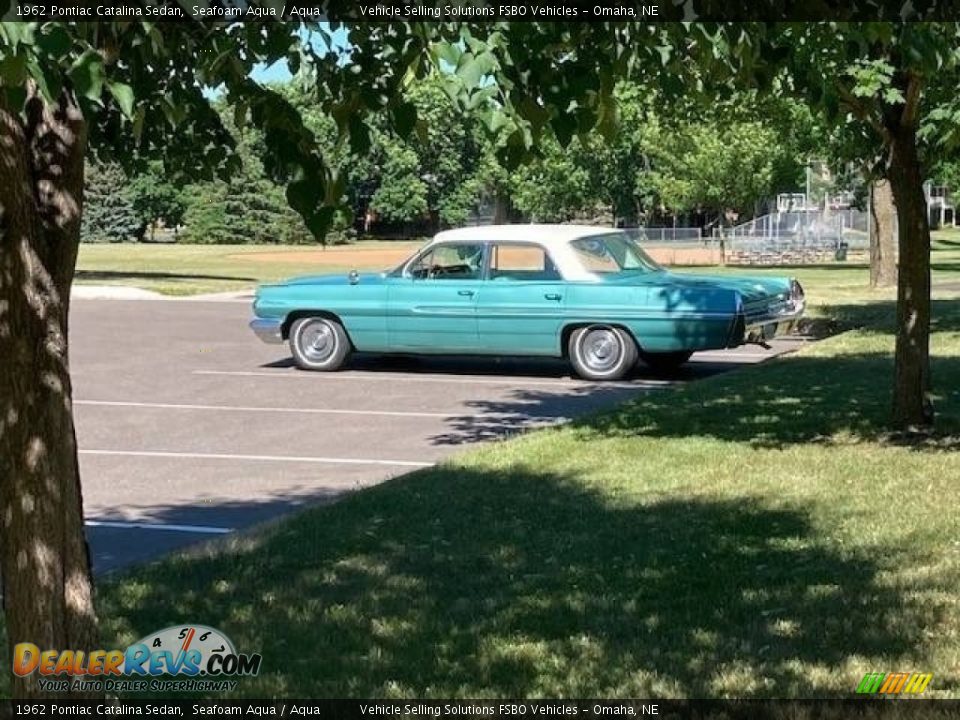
<point>761,329</point>
<point>268,329</point>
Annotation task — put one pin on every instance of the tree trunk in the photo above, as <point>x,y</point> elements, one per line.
<point>47,587</point>
<point>883,244</point>
<point>912,406</point>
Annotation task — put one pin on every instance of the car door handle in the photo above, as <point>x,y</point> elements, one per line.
<point>465,293</point>
<point>553,296</point>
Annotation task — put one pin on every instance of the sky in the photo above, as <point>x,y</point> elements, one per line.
<point>278,71</point>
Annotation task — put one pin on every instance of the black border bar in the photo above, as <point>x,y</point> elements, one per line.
<point>482,10</point>
<point>854,709</point>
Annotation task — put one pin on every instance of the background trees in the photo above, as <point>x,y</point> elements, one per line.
<point>684,165</point>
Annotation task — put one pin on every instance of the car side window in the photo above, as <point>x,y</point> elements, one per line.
<point>521,262</point>
<point>456,261</point>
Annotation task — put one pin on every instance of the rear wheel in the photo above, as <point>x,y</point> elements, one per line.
<point>318,343</point>
<point>665,361</point>
<point>602,352</point>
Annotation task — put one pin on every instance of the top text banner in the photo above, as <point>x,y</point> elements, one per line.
<point>475,10</point>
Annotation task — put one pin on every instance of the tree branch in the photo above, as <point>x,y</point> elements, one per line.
<point>57,146</point>
<point>911,107</point>
<point>863,113</point>
<point>17,201</point>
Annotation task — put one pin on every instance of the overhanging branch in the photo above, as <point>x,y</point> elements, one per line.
<point>862,113</point>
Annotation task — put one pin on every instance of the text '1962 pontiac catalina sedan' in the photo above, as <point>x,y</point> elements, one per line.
<point>589,294</point>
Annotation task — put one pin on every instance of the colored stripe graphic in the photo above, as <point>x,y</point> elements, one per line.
<point>894,683</point>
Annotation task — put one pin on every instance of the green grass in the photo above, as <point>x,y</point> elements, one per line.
<point>757,533</point>
<point>191,269</point>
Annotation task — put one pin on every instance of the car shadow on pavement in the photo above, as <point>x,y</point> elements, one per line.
<point>509,368</point>
<point>486,583</point>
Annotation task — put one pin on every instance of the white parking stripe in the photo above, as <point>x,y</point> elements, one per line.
<point>265,458</point>
<point>727,355</point>
<point>242,408</point>
<point>454,379</point>
<point>201,529</point>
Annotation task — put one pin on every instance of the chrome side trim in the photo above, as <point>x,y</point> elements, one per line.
<point>270,330</point>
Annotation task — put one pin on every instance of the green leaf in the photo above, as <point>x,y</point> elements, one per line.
<point>359,135</point>
<point>13,70</point>
<point>293,62</point>
<point>16,96</point>
<point>54,40</point>
<point>17,33</point>
<point>448,53</point>
<point>87,75</point>
<point>470,70</point>
<point>405,119</point>
<point>123,94</point>
<point>138,120</point>
<point>49,84</point>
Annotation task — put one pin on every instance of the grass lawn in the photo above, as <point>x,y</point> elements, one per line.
<point>753,534</point>
<point>191,269</point>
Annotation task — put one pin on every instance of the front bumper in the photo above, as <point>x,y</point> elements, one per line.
<point>270,330</point>
<point>758,329</point>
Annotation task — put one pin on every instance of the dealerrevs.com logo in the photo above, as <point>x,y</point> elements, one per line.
<point>196,656</point>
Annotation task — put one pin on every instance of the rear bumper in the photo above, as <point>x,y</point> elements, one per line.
<point>268,329</point>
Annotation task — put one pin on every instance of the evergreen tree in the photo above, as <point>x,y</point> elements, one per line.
<point>108,212</point>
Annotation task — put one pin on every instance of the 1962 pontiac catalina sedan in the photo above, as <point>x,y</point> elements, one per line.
<point>588,294</point>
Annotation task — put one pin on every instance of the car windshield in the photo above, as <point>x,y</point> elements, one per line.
<point>613,253</point>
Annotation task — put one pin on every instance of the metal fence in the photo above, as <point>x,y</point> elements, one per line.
<point>798,237</point>
<point>669,236</point>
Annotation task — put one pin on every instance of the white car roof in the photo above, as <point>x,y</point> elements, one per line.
<point>547,235</point>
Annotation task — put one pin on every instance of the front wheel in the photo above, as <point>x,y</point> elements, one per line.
<point>665,362</point>
<point>601,352</point>
<point>318,343</point>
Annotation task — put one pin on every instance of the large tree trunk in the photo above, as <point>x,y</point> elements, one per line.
<point>47,587</point>
<point>883,244</point>
<point>912,406</point>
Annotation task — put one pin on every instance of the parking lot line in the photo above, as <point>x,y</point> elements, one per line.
<point>243,408</point>
<point>407,378</point>
<point>264,458</point>
<point>201,529</point>
<point>711,354</point>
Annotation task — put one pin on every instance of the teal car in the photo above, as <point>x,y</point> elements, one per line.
<point>588,294</point>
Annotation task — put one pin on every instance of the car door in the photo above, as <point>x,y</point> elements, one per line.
<point>432,303</point>
<point>520,306</point>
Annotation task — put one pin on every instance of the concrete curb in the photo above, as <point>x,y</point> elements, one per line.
<point>126,292</point>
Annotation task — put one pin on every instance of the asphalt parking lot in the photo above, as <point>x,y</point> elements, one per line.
<point>189,428</point>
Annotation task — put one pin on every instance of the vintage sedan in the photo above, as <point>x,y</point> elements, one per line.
<point>588,294</point>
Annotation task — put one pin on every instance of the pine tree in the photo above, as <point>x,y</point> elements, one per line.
<point>108,212</point>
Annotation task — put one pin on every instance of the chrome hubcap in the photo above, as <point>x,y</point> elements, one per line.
<point>601,350</point>
<point>317,341</point>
